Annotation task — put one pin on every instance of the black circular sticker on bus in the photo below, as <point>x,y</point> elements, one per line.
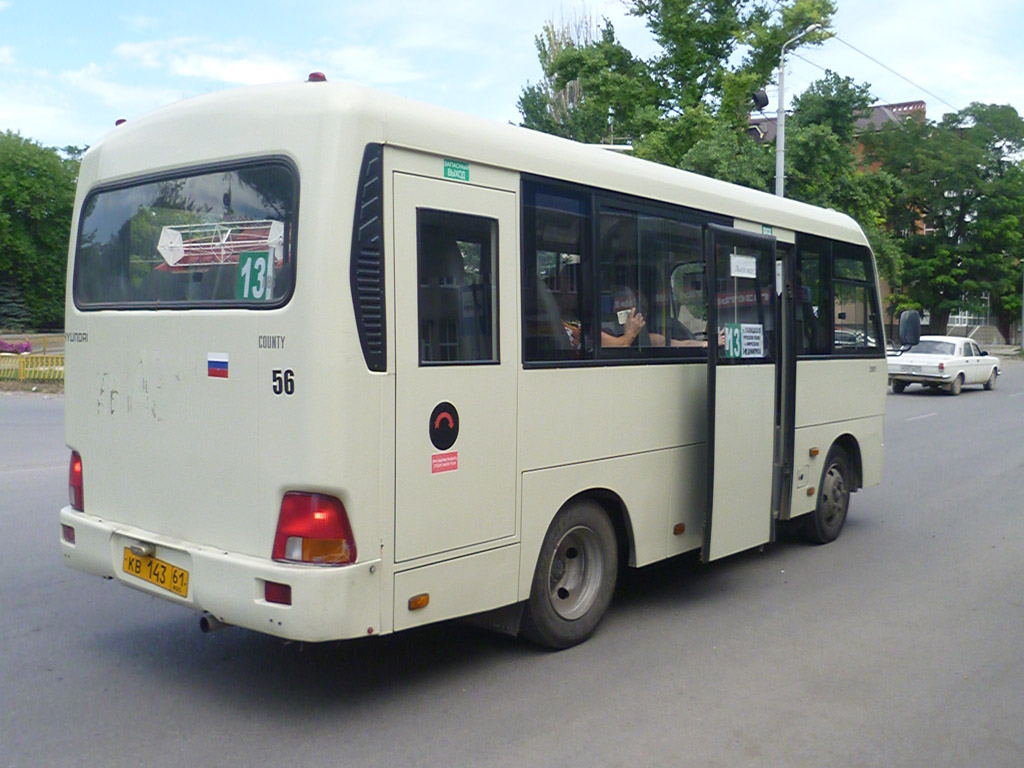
<point>444,426</point>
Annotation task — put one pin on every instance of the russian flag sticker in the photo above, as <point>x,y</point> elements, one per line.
<point>217,365</point>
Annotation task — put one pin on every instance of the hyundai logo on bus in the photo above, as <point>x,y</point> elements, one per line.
<point>444,426</point>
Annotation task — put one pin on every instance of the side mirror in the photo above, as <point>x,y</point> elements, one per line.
<point>910,328</point>
<point>984,353</point>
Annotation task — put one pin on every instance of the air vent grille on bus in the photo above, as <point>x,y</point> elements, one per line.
<point>367,267</point>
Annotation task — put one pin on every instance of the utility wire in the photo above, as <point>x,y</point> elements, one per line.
<point>878,99</point>
<point>890,69</point>
<point>902,77</point>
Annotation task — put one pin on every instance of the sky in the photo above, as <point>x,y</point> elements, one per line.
<point>69,69</point>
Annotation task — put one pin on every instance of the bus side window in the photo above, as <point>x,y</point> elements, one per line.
<point>857,322</point>
<point>813,318</point>
<point>457,270</point>
<point>644,255</point>
<point>556,223</point>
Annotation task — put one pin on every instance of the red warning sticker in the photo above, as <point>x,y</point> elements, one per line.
<point>444,462</point>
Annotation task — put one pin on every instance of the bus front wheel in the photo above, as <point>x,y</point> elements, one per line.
<point>575,577</point>
<point>825,523</point>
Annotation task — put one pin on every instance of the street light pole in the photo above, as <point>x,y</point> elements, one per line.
<point>780,120</point>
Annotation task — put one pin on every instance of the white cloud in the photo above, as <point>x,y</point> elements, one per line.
<point>154,54</point>
<point>4,5</point>
<point>231,63</point>
<point>6,55</point>
<point>369,65</point>
<point>141,22</point>
<point>244,70</point>
<point>21,113</point>
<point>130,99</point>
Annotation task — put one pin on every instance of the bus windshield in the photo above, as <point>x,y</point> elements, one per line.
<point>223,238</point>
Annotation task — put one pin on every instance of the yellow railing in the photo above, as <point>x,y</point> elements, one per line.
<point>31,367</point>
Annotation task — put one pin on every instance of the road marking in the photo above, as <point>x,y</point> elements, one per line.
<point>923,416</point>
<point>1017,394</point>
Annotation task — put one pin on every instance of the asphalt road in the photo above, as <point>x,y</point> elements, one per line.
<point>900,644</point>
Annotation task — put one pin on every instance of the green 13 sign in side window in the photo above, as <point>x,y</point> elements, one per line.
<point>253,276</point>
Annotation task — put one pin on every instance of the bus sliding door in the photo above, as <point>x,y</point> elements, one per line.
<point>741,391</point>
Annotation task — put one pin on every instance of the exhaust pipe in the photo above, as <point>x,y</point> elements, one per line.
<point>209,623</point>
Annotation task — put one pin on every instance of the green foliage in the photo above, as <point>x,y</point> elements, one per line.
<point>37,191</point>
<point>713,56</point>
<point>959,207</point>
<point>593,88</point>
<point>731,156</point>
<point>942,204</point>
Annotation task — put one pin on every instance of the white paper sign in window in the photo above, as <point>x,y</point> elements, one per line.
<point>742,266</point>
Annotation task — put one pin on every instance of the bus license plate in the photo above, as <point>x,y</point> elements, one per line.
<point>163,575</point>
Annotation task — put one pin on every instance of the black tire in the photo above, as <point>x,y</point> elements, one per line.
<point>991,383</point>
<point>574,579</point>
<point>899,387</point>
<point>826,522</point>
<point>957,385</point>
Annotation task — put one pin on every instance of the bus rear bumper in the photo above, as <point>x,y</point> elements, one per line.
<point>327,602</point>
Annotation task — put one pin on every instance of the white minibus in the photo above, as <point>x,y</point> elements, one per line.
<point>344,364</point>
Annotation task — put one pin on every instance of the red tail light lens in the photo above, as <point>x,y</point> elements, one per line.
<point>75,494</point>
<point>314,528</point>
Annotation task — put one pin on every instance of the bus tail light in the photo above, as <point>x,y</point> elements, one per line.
<point>313,528</point>
<point>75,493</point>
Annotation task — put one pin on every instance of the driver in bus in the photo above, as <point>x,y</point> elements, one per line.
<point>627,323</point>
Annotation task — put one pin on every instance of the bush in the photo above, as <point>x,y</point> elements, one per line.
<point>17,347</point>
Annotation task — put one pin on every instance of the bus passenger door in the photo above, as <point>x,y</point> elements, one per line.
<point>741,391</point>
<point>455,420</point>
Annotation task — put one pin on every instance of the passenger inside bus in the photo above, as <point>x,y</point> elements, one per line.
<point>627,324</point>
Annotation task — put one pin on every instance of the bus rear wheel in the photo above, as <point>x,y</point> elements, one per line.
<point>826,522</point>
<point>575,577</point>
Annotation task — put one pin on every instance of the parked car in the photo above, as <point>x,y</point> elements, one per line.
<point>949,362</point>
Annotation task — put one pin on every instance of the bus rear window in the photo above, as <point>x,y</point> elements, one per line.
<point>223,238</point>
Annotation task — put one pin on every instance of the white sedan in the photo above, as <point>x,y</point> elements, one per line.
<point>948,362</point>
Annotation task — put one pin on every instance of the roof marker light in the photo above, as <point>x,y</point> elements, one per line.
<point>317,77</point>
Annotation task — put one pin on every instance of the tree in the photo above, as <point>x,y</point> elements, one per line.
<point>713,56</point>
<point>593,88</point>
<point>37,192</point>
<point>959,208</point>
<point>826,165</point>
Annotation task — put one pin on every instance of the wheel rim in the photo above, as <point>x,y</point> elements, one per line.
<point>575,571</point>
<point>834,495</point>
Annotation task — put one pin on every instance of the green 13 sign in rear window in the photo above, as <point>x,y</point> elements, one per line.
<point>203,239</point>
